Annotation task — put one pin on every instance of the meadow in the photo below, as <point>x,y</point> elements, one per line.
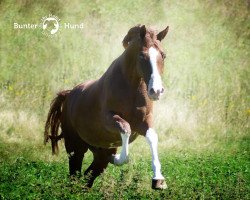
<point>202,120</point>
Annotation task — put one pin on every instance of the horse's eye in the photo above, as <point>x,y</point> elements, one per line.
<point>141,56</point>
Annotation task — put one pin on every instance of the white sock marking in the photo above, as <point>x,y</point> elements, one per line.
<point>152,139</point>
<point>120,159</point>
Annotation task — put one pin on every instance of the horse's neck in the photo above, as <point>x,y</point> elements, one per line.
<point>129,60</point>
<point>142,94</point>
<point>136,82</point>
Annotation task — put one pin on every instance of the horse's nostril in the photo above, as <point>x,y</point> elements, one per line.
<point>162,90</point>
<point>151,91</point>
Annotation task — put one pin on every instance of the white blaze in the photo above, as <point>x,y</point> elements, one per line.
<point>155,79</point>
<point>152,139</point>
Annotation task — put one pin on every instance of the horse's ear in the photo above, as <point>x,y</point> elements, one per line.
<point>132,34</point>
<point>142,31</point>
<point>162,34</point>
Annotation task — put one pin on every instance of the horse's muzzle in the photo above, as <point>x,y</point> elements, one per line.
<point>155,94</point>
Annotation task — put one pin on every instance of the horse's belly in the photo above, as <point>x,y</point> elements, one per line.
<point>103,139</point>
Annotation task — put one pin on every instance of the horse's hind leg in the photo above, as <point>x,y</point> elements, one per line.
<point>76,148</point>
<point>99,164</point>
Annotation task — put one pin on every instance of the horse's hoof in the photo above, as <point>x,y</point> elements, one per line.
<point>159,184</point>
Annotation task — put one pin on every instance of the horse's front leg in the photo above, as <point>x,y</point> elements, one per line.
<point>122,158</point>
<point>158,181</point>
<point>115,123</point>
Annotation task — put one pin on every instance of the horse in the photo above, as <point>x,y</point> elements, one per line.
<point>101,115</point>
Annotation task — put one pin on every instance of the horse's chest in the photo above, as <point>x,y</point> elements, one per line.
<point>141,108</point>
<point>140,113</point>
<point>137,116</point>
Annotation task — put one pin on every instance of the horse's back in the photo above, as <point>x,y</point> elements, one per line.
<point>81,100</point>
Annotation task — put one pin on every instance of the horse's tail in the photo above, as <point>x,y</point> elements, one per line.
<point>53,121</point>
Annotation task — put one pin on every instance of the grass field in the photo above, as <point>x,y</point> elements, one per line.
<point>202,120</point>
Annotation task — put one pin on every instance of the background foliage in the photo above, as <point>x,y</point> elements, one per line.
<point>202,121</point>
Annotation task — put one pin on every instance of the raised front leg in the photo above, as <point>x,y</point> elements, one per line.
<point>122,158</point>
<point>115,123</point>
<point>158,181</point>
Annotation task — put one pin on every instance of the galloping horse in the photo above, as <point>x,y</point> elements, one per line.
<point>103,114</point>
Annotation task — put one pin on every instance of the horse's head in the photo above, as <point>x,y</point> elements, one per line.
<point>150,57</point>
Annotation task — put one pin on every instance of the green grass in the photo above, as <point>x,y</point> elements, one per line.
<point>202,120</point>
<point>189,176</point>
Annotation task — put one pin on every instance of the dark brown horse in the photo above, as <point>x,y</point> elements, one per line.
<point>112,111</point>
